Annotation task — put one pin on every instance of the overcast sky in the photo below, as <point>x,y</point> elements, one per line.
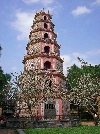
<point>77,23</point>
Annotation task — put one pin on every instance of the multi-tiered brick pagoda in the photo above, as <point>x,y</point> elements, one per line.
<point>43,53</point>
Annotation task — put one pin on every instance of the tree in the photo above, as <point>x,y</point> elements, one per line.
<point>88,68</point>
<point>74,73</point>
<point>37,87</point>
<point>4,79</point>
<point>85,93</point>
<point>7,88</point>
<point>9,95</point>
<point>85,86</point>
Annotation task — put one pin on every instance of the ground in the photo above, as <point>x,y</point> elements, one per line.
<point>7,131</point>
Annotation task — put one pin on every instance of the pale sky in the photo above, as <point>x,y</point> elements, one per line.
<point>77,23</point>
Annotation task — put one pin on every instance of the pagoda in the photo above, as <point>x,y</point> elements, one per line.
<point>43,52</point>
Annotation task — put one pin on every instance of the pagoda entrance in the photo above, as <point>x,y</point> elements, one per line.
<point>50,110</point>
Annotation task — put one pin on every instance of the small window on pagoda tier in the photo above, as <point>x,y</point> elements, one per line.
<point>45,36</point>
<point>47,65</point>
<point>46,49</point>
<point>45,25</point>
<point>45,17</point>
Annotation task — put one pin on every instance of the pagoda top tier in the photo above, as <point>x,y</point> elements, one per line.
<point>42,13</point>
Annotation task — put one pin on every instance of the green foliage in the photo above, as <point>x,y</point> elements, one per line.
<point>84,85</point>
<point>74,73</point>
<point>8,77</point>
<point>9,95</point>
<point>4,88</point>
<point>4,79</point>
<point>72,130</point>
<point>85,92</point>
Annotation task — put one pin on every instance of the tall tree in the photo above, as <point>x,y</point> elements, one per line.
<point>36,88</point>
<point>9,94</point>
<point>85,86</point>
<point>85,93</point>
<point>4,80</point>
<point>74,72</point>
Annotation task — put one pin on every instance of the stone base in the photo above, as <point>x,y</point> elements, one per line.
<point>50,123</point>
<point>53,123</point>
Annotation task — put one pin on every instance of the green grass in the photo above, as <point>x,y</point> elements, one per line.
<point>71,130</point>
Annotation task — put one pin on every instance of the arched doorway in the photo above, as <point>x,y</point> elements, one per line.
<point>50,110</point>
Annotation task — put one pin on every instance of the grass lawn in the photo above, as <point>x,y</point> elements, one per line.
<point>71,130</point>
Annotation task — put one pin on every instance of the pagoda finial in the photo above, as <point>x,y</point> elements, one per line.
<point>43,10</point>
<point>48,11</point>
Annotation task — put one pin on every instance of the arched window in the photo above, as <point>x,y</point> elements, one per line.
<point>47,65</point>
<point>46,49</point>
<point>45,36</point>
<point>45,17</point>
<point>45,25</point>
